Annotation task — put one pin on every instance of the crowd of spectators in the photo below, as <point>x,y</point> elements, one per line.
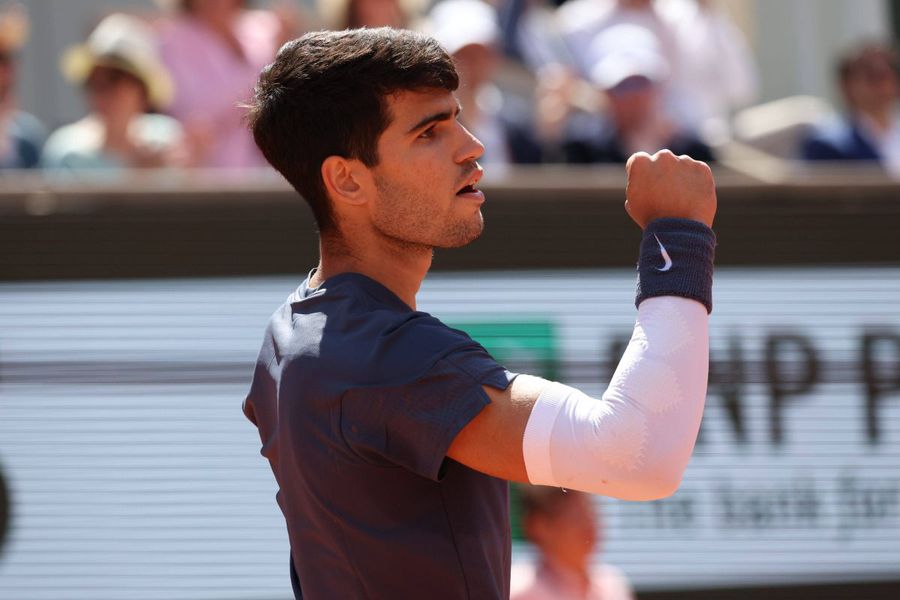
<point>542,81</point>
<point>21,134</point>
<point>869,129</point>
<point>125,85</point>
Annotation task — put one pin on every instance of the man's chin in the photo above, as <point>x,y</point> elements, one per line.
<point>463,237</point>
<point>458,244</point>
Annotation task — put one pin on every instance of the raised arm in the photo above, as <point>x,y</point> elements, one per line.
<point>634,442</point>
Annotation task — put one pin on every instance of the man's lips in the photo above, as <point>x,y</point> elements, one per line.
<point>468,185</point>
<point>471,194</point>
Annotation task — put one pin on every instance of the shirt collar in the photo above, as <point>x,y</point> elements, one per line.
<point>357,280</point>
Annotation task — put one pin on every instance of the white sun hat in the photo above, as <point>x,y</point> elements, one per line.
<point>624,51</point>
<point>126,43</point>
<point>459,23</point>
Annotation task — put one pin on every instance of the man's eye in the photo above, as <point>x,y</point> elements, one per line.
<point>428,133</point>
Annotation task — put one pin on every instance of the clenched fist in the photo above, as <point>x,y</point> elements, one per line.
<point>665,185</point>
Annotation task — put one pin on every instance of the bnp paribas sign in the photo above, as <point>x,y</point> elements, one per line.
<point>128,463</point>
<point>796,467</point>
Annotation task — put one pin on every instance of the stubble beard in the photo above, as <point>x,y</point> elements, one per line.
<point>412,227</point>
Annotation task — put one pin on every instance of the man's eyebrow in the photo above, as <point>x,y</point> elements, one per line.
<point>444,115</point>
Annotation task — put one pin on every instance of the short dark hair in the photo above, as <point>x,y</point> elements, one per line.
<point>858,57</point>
<point>326,95</point>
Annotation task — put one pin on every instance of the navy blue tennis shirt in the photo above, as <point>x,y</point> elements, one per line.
<point>357,398</point>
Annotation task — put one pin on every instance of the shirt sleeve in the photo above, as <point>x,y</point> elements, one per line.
<point>412,424</point>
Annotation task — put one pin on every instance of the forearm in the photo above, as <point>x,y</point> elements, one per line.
<point>660,387</point>
<point>636,441</point>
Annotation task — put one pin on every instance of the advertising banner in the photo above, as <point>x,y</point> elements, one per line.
<point>128,469</point>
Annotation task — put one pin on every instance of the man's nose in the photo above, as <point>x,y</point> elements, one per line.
<point>471,149</point>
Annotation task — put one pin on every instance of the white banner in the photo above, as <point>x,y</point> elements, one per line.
<point>131,472</point>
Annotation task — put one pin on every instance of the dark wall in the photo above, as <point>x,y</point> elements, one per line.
<point>116,232</point>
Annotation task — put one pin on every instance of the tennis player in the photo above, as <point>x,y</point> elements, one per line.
<point>392,436</point>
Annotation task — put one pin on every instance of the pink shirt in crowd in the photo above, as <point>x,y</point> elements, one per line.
<point>544,582</point>
<point>211,80</point>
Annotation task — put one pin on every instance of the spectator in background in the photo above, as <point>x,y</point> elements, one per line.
<point>711,71</point>
<point>468,30</point>
<point>124,81</point>
<point>717,72</point>
<point>628,67</point>
<point>531,34</point>
<point>581,21</point>
<point>564,527</point>
<point>352,14</point>
<point>215,50</point>
<point>870,130</point>
<point>21,134</point>
<point>532,38</point>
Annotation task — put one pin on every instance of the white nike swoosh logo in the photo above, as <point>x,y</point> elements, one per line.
<point>665,256</point>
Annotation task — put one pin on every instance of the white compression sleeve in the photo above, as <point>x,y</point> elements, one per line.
<point>636,441</point>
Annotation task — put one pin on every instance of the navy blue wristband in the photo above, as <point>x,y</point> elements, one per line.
<point>676,260</point>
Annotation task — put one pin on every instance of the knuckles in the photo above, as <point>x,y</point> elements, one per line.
<point>665,169</point>
<point>662,164</point>
<point>665,156</point>
<point>637,162</point>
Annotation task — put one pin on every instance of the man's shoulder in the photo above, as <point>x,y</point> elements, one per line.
<point>28,126</point>
<point>837,139</point>
<point>408,346</point>
<point>362,308</point>
<point>356,329</point>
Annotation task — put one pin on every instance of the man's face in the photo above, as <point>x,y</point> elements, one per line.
<point>114,94</point>
<point>873,84</point>
<point>425,174</point>
<point>633,103</point>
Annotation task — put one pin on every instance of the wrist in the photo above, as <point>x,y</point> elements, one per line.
<point>676,259</point>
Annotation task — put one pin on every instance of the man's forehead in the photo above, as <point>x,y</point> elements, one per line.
<point>408,107</point>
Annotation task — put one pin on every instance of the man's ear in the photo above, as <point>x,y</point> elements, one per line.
<point>345,180</point>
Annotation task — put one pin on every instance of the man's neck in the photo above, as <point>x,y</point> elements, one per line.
<point>400,269</point>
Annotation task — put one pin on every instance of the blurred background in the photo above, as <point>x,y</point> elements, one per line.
<point>144,242</point>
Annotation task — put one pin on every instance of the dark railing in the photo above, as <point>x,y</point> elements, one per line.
<point>177,224</point>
